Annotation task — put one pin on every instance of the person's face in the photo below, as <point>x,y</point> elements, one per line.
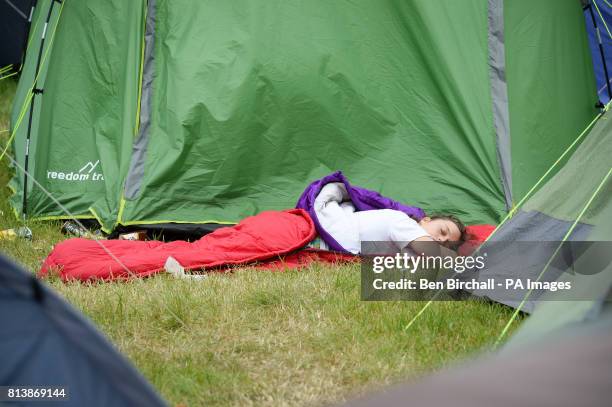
<point>441,230</point>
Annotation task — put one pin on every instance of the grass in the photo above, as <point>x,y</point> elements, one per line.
<point>256,337</point>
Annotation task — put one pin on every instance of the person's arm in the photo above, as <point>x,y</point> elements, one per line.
<point>430,247</point>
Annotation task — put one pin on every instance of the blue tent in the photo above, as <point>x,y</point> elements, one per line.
<point>14,27</point>
<point>598,16</point>
<point>45,342</point>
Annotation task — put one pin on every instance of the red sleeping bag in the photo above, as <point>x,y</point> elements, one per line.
<point>270,237</point>
<point>265,236</point>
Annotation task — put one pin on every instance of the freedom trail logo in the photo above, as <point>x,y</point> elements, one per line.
<point>86,173</point>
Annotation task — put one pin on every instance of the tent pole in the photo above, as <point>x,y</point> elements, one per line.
<point>25,39</point>
<point>35,91</point>
<point>601,52</point>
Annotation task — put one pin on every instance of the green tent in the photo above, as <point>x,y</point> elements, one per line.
<point>553,229</point>
<point>590,300</point>
<point>145,112</point>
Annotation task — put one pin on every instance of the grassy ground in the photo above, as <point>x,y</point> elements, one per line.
<point>257,337</point>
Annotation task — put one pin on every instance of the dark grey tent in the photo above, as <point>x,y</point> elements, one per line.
<point>574,370</point>
<point>14,26</point>
<point>45,342</point>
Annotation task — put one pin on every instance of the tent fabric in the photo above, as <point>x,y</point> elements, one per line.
<point>499,95</point>
<point>135,174</point>
<point>286,101</point>
<point>528,227</point>
<point>46,342</point>
<point>363,200</point>
<point>551,90</point>
<point>560,314</point>
<point>237,117</point>
<point>265,236</point>
<point>577,197</point>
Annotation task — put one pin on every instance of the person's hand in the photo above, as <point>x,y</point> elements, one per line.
<point>430,247</point>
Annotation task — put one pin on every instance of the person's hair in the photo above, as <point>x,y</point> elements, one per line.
<point>454,245</point>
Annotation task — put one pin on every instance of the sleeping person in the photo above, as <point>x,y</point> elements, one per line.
<point>337,215</point>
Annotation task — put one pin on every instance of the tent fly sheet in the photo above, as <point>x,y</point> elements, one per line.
<point>573,206</point>
<point>191,112</point>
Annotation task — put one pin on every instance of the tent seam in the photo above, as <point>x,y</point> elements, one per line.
<point>499,95</point>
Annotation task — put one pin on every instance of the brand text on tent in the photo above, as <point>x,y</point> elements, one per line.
<point>86,173</point>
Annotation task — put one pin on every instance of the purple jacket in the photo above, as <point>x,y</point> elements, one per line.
<point>363,199</point>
